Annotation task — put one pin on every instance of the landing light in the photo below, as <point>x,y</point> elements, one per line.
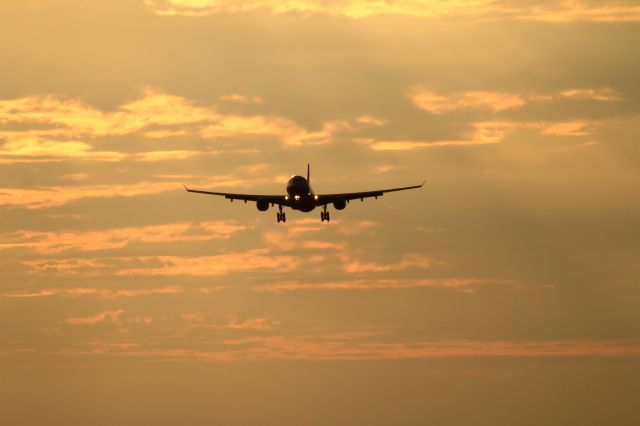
<point>286,197</point>
<point>297,197</point>
<point>315,197</point>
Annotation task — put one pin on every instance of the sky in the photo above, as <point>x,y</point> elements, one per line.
<point>505,291</point>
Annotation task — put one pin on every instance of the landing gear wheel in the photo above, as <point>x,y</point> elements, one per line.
<point>280,215</point>
<point>325,216</point>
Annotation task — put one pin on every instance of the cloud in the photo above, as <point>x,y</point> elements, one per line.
<point>266,259</point>
<point>358,227</point>
<point>575,10</point>
<point>242,99</point>
<point>168,155</point>
<point>231,321</point>
<point>604,94</point>
<point>251,260</point>
<point>137,292</point>
<point>323,245</point>
<point>52,128</point>
<point>491,132</point>
<point>481,133</point>
<point>47,292</point>
<point>460,284</point>
<point>216,265</point>
<point>56,242</point>
<point>297,235</point>
<point>20,148</point>
<point>569,128</point>
<point>557,12</point>
<point>435,103</point>
<point>103,293</point>
<point>408,261</point>
<point>75,176</point>
<point>427,99</point>
<point>108,316</point>
<point>64,266</point>
<point>55,196</point>
<point>269,126</point>
<point>358,346</point>
<point>384,169</point>
<point>371,121</point>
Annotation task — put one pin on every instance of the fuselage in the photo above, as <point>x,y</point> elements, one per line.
<point>300,194</point>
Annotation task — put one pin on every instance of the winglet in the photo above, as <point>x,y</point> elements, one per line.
<point>185,187</point>
<point>309,173</point>
<point>423,182</point>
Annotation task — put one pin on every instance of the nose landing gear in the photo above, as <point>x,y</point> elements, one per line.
<point>324,215</point>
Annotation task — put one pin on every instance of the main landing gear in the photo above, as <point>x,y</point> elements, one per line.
<point>324,215</point>
<point>281,216</point>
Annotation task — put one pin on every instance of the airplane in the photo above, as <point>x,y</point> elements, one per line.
<point>301,197</point>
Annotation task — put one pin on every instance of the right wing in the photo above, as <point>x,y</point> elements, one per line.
<point>271,199</point>
<point>330,198</point>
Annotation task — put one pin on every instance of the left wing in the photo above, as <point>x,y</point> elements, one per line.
<point>272,199</point>
<point>330,198</point>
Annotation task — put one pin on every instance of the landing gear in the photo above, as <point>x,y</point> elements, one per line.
<point>281,216</point>
<point>324,215</point>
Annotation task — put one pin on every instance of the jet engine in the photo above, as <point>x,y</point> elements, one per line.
<point>262,204</point>
<point>339,203</point>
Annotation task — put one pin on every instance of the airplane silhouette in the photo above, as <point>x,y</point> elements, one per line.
<point>301,197</point>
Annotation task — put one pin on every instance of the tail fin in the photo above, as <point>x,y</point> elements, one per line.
<point>308,173</point>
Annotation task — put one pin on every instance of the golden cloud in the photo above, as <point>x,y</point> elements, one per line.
<point>47,292</point>
<point>212,265</point>
<point>110,316</point>
<point>482,133</point>
<point>323,245</point>
<point>383,169</point>
<point>435,103</point>
<point>604,94</point>
<point>369,120</point>
<point>54,196</point>
<point>408,261</point>
<point>60,128</point>
<point>568,128</point>
<point>23,149</point>
<point>561,11</point>
<point>102,293</point>
<point>56,242</point>
<point>360,346</point>
<point>231,321</point>
<point>490,132</point>
<point>215,265</point>
<point>242,99</point>
<point>460,284</point>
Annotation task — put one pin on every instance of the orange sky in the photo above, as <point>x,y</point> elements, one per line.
<point>505,289</point>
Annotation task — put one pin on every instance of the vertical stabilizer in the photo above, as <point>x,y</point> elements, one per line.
<point>309,173</point>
